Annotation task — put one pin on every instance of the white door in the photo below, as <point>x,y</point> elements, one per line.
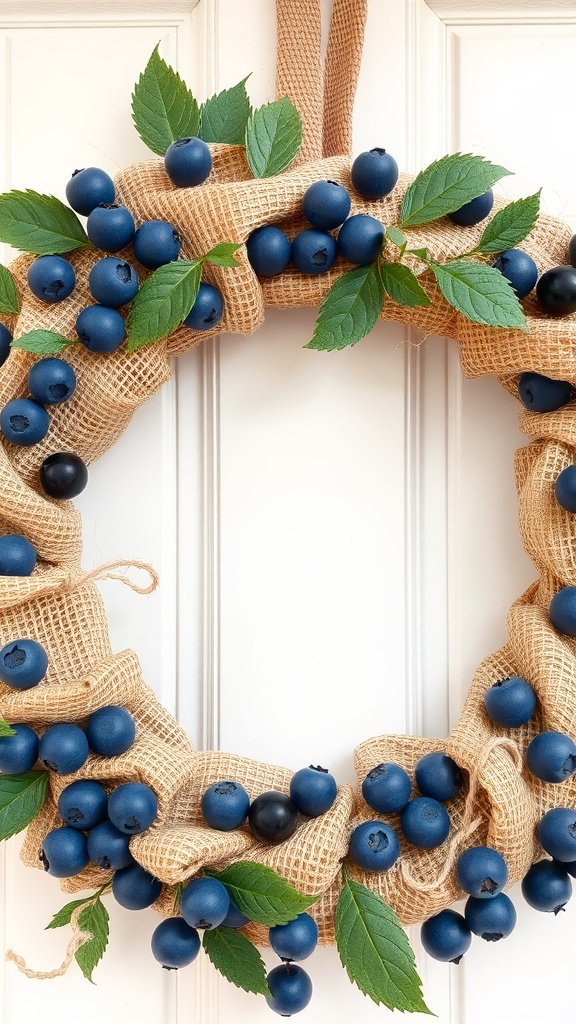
<point>335,533</point>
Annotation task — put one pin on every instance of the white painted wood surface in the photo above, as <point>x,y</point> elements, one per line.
<point>335,533</point>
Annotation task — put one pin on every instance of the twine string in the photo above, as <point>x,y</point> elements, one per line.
<point>78,938</point>
<point>104,572</point>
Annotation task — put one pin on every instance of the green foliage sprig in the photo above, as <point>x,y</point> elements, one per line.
<point>21,797</point>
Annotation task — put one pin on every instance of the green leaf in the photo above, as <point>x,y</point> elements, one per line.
<point>21,797</point>
<point>446,185</point>
<point>403,286</point>
<point>480,293</point>
<point>273,138</point>
<point>510,226</point>
<point>40,224</point>
<point>63,916</point>
<point>163,108</point>
<point>94,918</point>
<point>5,728</point>
<point>422,254</point>
<point>223,118</point>
<point>396,236</point>
<point>222,255</point>
<point>8,294</point>
<point>350,309</point>
<point>375,951</point>
<point>165,298</point>
<point>262,894</point>
<point>43,343</point>
<point>237,959</point>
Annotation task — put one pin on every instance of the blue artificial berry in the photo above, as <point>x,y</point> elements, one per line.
<point>374,173</point>
<point>225,805</point>
<point>374,846</point>
<point>100,328</point>
<point>111,731</point>
<point>63,748</point>
<point>565,488</point>
<point>272,817</point>
<point>24,422</point>
<point>155,243</point>
<point>543,394</point>
<point>552,756</point>
<point>87,188</point>
<point>235,918</point>
<point>570,867</point>
<point>207,309</point>
<point>446,936</point>
<point>360,239</point>
<point>510,702</point>
<point>135,888</point>
<point>519,269</point>
<point>132,807</point>
<point>17,555</point>
<point>313,790</point>
<point>474,211</point>
<point>64,852</point>
<point>387,788</point>
<point>557,833</point>
<point>204,903</point>
<point>482,872</point>
<point>113,282</point>
<point>109,848</point>
<point>63,475</point>
<point>19,752</point>
<point>174,943</point>
<point>491,919</point>
<point>425,822</point>
<point>296,940</point>
<point>556,291</point>
<point>290,989</point>
<point>438,776</point>
<point>23,663</point>
<point>110,227</point>
<point>5,342</point>
<point>188,162</point>
<point>51,278</point>
<point>563,611</point>
<point>326,204</point>
<point>51,381</point>
<point>313,251</point>
<point>83,804</point>
<point>547,887</point>
<point>268,250</point>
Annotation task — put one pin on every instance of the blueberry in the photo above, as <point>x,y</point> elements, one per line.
<point>24,422</point>
<point>474,211</point>
<point>510,702</point>
<point>174,943</point>
<point>63,475</point>
<point>268,251</point>
<point>109,848</point>
<point>204,903</point>
<point>425,822</point>
<point>313,790</point>
<point>235,918</point>
<point>111,731</point>
<point>23,664</point>
<point>225,805</point>
<point>110,227</point>
<point>113,282</point>
<point>387,788</point>
<point>570,867</point>
<point>482,872</point>
<point>51,278</point>
<point>438,776</point>
<point>551,756</point>
<point>557,833</point>
<point>563,611</point>
<point>446,936</point>
<point>313,251</point>
<point>89,187</point>
<point>491,919</point>
<point>374,846</point>
<point>64,852</point>
<point>272,817</point>
<point>556,291</point>
<point>565,488</point>
<point>542,394</point>
<point>572,250</point>
<point>5,342</point>
<point>63,748</point>
<point>156,242</point>
<point>374,173</point>
<point>547,887</point>
<point>83,804</point>
<point>51,381</point>
<point>100,328</point>
<point>18,753</point>
<point>296,940</point>
<point>360,239</point>
<point>188,162</point>
<point>132,807</point>
<point>326,204</point>
<point>135,888</point>
<point>290,989</point>
<point>207,309</point>
<point>519,269</point>
<point>17,556</point>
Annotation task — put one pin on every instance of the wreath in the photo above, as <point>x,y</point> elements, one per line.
<point>112,794</point>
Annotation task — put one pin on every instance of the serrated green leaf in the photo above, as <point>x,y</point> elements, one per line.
<point>94,919</point>
<point>375,951</point>
<point>21,797</point>
<point>396,236</point>
<point>43,343</point>
<point>222,255</point>
<point>480,293</point>
<point>40,224</point>
<point>162,303</point>
<point>223,118</point>
<point>403,286</point>
<point>8,293</point>
<point>510,226</point>
<point>163,108</point>
<point>237,959</point>
<point>273,138</point>
<point>446,185</point>
<point>422,254</point>
<point>350,309</point>
<point>5,728</point>
<point>261,894</point>
<point>63,916</point>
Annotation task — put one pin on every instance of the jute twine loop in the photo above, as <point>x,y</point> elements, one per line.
<point>104,572</point>
<point>78,938</point>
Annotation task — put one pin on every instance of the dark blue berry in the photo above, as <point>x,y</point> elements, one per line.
<point>551,756</point>
<point>188,162</point>
<point>111,731</point>
<point>235,918</point>
<point>268,251</point>
<point>207,309</point>
<point>51,278</point>
<point>18,753</point>
<point>296,940</point>
<point>510,702</point>
<point>474,211</point>
<point>547,887</point>
<point>313,251</point>
<point>5,342</point>
<point>24,422</point>
<point>519,269</point>
<point>101,328</point>
<point>482,872</point>
<point>272,817</point>
<point>491,919</point>
<point>63,475</point>
<point>572,250</point>
<point>23,664</point>
<point>446,936</point>
<point>17,555</point>
<point>557,833</point>
<point>556,291</point>
<point>113,282</point>
<point>374,846</point>
<point>204,903</point>
<point>83,804</point>
<point>387,788</point>
<point>155,243</point>
<point>542,394</point>
<point>64,852</point>
<point>51,381</point>
<point>563,611</point>
<point>313,790</point>
<point>326,204</point>
<point>360,239</point>
<point>109,848</point>
<point>110,227</point>
<point>89,187</point>
<point>374,173</point>
<point>425,822</point>
<point>63,748</point>
<point>135,888</point>
<point>132,807</point>
<point>174,943</point>
<point>438,776</point>
<point>290,989</point>
<point>225,805</point>
<point>565,488</point>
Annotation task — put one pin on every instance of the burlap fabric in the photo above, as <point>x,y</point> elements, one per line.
<point>59,606</point>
